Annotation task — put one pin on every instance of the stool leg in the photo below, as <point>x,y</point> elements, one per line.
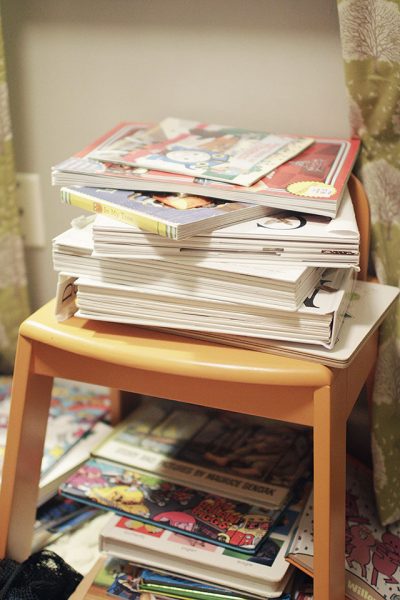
<point>30,402</point>
<point>329,493</point>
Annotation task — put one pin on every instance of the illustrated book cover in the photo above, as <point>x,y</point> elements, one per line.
<point>75,408</point>
<point>264,574</point>
<point>372,552</point>
<point>311,182</point>
<point>229,154</point>
<point>168,215</point>
<point>156,501</point>
<point>245,458</point>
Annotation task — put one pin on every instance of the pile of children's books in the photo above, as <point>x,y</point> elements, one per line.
<point>242,237</point>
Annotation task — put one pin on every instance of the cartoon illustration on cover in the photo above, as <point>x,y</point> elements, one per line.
<point>170,506</point>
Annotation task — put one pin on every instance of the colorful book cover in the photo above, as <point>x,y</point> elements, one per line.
<point>156,501</point>
<point>247,458</point>
<point>372,552</point>
<point>74,410</point>
<point>168,215</point>
<point>264,573</point>
<point>311,182</point>
<point>214,152</point>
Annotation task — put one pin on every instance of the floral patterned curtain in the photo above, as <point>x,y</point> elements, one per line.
<point>370,34</point>
<point>13,286</point>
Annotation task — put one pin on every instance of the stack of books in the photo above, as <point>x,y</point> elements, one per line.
<point>200,493</point>
<point>251,274</point>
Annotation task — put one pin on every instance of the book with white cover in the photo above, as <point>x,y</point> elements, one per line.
<point>281,237</point>
<point>369,305</point>
<point>316,322</point>
<point>270,285</point>
<point>265,574</point>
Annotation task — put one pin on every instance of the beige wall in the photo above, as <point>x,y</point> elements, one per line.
<point>76,67</point>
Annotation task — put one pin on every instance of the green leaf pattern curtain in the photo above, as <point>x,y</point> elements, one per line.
<point>370,35</point>
<point>13,285</point>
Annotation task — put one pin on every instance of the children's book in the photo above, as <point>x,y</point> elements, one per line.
<point>157,502</point>
<point>372,552</point>
<point>264,574</point>
<point>311,182</point>
<point>245,458</point>
<point>75,408</point>
<point>168,215</point>
<point>215,152</point>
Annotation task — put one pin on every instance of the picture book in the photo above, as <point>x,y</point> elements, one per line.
<point>372,552</point>
<point>311,182</point>
<point>74,410</point>
<point>156,501</point>
<point>215,152</point>
<point>245,458</point>
<point>264,574</point>
<point>280,237</point>
<point>174,216</point>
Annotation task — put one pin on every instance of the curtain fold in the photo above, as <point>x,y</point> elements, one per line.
<point>370,37</point>
<point>14,305</point>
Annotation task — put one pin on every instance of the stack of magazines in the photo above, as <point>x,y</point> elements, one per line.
<point>210,497</point>
<point>242,237</point>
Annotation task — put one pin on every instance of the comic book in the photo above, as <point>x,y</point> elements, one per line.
<point>75,408</point>
<point>215,152</point>
<point>264,574</point>
<point>372,552</point>
<point>247,458</point>
<point>155,501</point>
<point>311,182</point>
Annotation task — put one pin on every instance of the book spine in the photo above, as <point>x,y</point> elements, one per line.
<point>100,206</point>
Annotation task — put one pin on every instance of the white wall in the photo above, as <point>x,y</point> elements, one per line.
<point>77,67</point>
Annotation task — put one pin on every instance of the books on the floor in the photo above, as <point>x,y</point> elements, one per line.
<point>174,216</point>
<point>372,552</point>
<point>282,238</point>
<point>246,458</point>
<point>207,151</point>
<point>266,286</point>
<point>316,322</point>
<point>264,574</point>
<point>75,408</point>
<point>311,182</point>
<point>156,501</point>
<point>71,461</point>
<point>369,305</point>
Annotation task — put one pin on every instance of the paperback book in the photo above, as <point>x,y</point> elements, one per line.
<point>214,152</point>
<point>281,238</point>
<point>311,182</point>
<point>168,215</point>
<point>245,458</point>
<point>264,574</point>
<point>372,552</point>
<point>157,502</point>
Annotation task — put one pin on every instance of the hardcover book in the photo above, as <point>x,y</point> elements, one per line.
<point>264,574</point>
<point>167,215</point>
<point>157,502</point>
<point>372,552</point>
<point>245,458</point>
<point>215,152</point>
<point>311,182</point>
